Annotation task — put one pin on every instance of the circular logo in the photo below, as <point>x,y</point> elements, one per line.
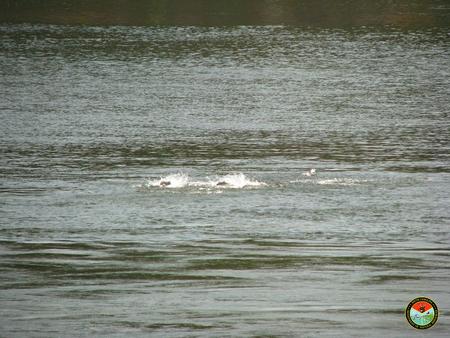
<point>422,313</point>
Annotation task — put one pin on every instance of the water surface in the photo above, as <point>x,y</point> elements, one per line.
<point>95,118</point>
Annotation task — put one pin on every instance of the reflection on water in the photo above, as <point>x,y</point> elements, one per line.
<point>321,13</point>
<point>157,180</point>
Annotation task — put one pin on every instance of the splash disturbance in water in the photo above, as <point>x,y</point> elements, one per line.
<point>157,181</point>
<point>180,180</point>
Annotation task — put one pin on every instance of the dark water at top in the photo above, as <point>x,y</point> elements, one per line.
<point>155,168</point>
<point>315,13</point>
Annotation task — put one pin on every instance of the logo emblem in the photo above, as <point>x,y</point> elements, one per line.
<point>422,313</point>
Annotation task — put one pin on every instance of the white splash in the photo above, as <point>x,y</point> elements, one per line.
<point>182,180</point>
<point>179,180</point>
<point>310,173</point>
<point>236,181</point>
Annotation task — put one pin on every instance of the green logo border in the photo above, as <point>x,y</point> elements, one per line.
<point>422,327</point>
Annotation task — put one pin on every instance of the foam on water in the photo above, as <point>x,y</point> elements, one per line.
<point>331,181</point>
<point>340,181</point>
<point>181,180</point>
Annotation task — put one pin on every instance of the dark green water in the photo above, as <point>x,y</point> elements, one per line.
<point>153,168</point>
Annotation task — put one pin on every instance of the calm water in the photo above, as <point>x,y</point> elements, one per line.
<point>153,180</point>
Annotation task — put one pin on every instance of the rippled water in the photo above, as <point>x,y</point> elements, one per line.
<point>156,180</point>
